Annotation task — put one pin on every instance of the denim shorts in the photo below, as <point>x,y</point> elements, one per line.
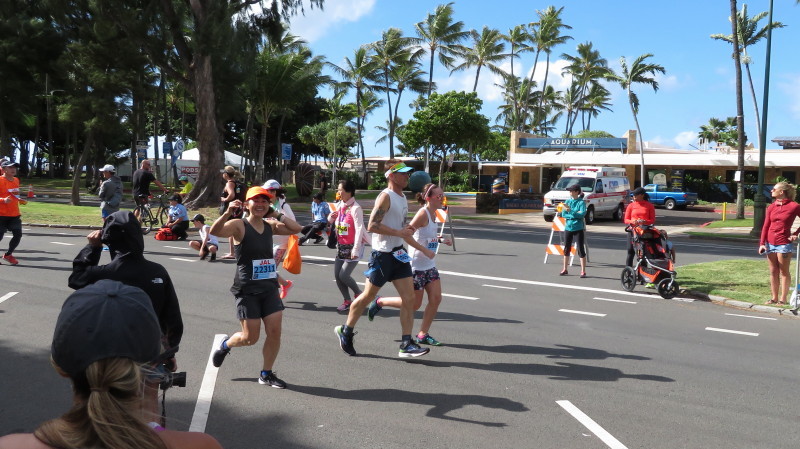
<point>780,249</point>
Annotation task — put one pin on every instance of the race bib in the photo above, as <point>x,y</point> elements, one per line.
<point>264,269</point>
<point>432,243</point>
<point>402,256</point>
<point>343,228</point>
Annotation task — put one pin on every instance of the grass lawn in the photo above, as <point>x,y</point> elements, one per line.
<point>732,223</point>
<point>743,280</point>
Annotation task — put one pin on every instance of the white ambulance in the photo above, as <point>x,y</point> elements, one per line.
<point>606,191</point>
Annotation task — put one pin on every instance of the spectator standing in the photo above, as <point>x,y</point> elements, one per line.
<point>234,190</point>
<point>777,238</point>
<point>106,340</point>
<point>110,191</point>
<point>573,210</point>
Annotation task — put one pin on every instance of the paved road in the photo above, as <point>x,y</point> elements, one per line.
<point>531,359</point>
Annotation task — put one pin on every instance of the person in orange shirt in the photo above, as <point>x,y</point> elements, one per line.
<point>639,212</point>
<point>10,200</point>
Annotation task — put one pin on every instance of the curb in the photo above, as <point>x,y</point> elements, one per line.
<point>721,300</point>
<point>722,237</point>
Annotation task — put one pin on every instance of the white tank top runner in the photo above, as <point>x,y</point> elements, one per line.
<point>395,218</point>
<point>428,237</point>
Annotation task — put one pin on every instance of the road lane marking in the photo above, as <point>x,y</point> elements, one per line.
<point>590,424</point>
<point>580,312</point>
<point>499,286</point>
<point>729,331</point>
<point>7,296</point>
<point>751,316</point>
<point>615,300</point>
<point>63,243</point>
<point>179,247</point>
<point>471,298</point>
<point>527,282</point>
<point>206,393</point>
<point>183,260</point>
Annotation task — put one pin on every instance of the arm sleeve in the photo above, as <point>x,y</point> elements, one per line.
<point>358,223</point>
<point>171,320</point>
<point>577,212</point>
<point>651,214</point>
<point>765,227</point>
<point>84,268</point>
<point>629,212</point>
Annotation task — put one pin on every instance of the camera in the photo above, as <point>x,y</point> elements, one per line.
<point>171,379</point>
<point>166,377</point>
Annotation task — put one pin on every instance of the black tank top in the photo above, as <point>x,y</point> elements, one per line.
<point>255,264</point>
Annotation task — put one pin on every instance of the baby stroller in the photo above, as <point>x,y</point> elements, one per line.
<point>653,263</point>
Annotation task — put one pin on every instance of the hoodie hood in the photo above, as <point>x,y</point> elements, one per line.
<point>123,233</point>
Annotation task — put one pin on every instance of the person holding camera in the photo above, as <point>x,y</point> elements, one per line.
<point>255,283</point>
<point>106,340</point>
<point>122,234</point>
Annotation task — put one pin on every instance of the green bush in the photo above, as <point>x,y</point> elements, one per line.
<point>377,182</point>
<point>457,181</point>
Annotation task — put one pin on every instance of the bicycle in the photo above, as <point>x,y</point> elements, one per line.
<point>150,218</point>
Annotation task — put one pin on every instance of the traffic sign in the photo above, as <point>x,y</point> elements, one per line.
<point>286,151</point>
<point>167,148</point>
<point>142,145</point>
<point>178,149</point>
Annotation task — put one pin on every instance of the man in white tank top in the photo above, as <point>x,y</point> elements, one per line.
<point>389,262</point>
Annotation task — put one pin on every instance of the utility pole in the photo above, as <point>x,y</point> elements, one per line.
<point>760,205</point>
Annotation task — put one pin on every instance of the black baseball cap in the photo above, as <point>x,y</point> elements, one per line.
<point>199,217</point>
<point>638,191</point>
<point>107,319</point>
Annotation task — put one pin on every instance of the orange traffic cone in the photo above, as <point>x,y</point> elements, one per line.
<point>30,191</point>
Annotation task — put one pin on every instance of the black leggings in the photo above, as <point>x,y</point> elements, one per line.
<point>579,241</point>
<point>631,252</point>
<point>13,224</point>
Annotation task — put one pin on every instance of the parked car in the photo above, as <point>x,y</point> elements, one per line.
<point>660,196</point>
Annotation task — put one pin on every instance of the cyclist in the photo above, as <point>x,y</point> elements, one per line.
<point>141,183</point>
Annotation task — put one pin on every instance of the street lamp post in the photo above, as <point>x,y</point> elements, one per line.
<point>759,206</point>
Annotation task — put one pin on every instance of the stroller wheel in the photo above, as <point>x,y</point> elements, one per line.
<point>668,288</point>
<point>628,279</point>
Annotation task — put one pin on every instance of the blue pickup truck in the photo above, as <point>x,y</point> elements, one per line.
<point>660,196</point>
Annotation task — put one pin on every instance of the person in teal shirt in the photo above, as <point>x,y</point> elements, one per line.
<point>573,210</point>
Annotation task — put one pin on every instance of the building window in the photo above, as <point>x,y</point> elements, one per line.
<point>526,177</point>
<point>790,176</point>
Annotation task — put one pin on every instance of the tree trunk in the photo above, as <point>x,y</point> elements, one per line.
<point>755,102</point>
<point>207,189</point>
<point>544,88</point>
<point>75,195</point>
<point>641,139</point>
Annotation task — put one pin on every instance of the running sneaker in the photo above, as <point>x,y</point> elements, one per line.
<point>411,349</point>
<point>285,289</point>
<point>203,254</point>
<point>345,342</point>
<point>220,354</point>
<point>649,285</point>
<point>271,379</point>
<point>428,340</point>
<point>345,306</point>
<point>10,259</point>
<point>213,257</point>
<point>374,308</point>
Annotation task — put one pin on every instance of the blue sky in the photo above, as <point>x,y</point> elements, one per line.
<point>699,81</point>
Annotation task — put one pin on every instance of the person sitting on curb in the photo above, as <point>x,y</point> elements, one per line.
<point>186,187</point>
<point>178,217</point>
<point>319,211</point>
<point>208,243</point>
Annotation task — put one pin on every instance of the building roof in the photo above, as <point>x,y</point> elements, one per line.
<point>776,158</point>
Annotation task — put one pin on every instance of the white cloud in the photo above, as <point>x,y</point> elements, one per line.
<point>667,82</point>
<point>316,23</point>
<point>788,87</point>
<point>685,139</point>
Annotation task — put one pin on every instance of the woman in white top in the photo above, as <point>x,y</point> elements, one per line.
<point>280,242</point>
<point>426,276</point>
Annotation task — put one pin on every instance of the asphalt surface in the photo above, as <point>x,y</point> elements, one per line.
<point>530,359</point>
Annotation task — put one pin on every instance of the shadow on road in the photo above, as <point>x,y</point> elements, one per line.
<point>559,352</point>
<point>441,403</point>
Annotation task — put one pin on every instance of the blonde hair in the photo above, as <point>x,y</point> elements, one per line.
<point>788,189</point>
<point>107,412</point>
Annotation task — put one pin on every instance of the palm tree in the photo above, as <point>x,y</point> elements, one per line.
<point>439,32</point>
<point>393,49</point>
<point>640,72</point>
<point>519,38</point>
<point>406,76</point>
<point>361,75</point>
<point>712,131</point>
<point>369,103</point>
<point>519,98</point>
<point>339,113</point>
<point>586,68</point>
<point>749,35</point>
<point>547,35</point>
<point>598,98</point>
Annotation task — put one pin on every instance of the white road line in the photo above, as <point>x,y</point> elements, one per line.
<point>7,296</point>
<point>62,243</point>
<point>183,260</point>
<point>728,331</point>
<point>471,298</point>
<point>461,238</point>
<point>179,247</point>
<point>580,312</point>
<point>590,424</point>
<point>203,405</point>
<point>750,316</point>
<point>615,300</point>
<point>527,282</point>
<point>499,286</point>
